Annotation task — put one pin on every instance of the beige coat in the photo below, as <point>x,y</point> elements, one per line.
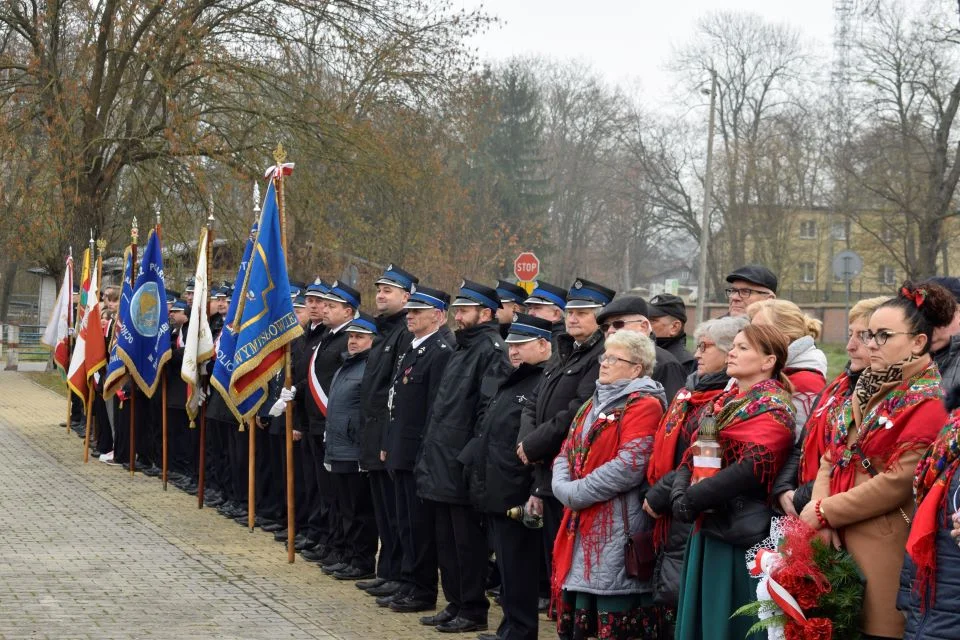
<point>874,531</point>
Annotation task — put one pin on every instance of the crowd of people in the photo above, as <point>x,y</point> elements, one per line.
<point>544,453</point>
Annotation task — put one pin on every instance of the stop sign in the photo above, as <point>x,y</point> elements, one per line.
<point>526,267</point>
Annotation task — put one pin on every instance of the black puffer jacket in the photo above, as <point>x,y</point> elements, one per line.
<point>480,353</point>
<point>498,480</point>
<point>569,379</point>
<point>343,413</point>
<point>375,388</point>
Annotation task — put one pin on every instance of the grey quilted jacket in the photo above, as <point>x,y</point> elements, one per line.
<point>620,477</point>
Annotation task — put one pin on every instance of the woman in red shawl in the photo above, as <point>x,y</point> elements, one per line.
<point>795,483</point>
<point>755,426</point>
<point>678,428</point>
<point>863,494</point>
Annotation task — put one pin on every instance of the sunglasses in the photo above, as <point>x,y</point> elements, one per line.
<point>617,324</point>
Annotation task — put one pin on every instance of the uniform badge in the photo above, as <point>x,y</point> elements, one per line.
<point>463,283</point>
<point>515,317</point>
<point>413,288</point>
<point>389,267</point>
<point>386,349</point>
<point>577,285</point>
<point>406,373</point>
<point>421,351</point>
<point>336,283</point>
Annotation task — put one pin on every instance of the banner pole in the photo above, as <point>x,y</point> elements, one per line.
<point>133,385</point>
<point>252,473</point>
<point>204,378</point>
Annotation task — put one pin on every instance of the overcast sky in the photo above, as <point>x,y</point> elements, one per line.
<point>629,41</point>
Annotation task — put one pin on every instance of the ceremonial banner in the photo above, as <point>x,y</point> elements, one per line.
<point>116,368</point>
<point>90,350</point>
<point>227,341</point>
<point>57,334</point>
<point>143,335</point>
<point>84,289</point>
<point>266,321</point>
<point>199,346</point>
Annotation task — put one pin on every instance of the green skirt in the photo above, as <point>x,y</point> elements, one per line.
<point>714,583</point>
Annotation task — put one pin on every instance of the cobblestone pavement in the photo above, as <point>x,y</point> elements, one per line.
<point>88,552</point>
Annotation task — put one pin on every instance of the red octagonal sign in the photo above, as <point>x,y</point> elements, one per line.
<point>526,267</point>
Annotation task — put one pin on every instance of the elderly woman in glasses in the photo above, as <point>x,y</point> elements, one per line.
<point>676,431</point>
<point>863,493</point>
<point>596,476</point>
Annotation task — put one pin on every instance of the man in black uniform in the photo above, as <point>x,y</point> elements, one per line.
<point>341,305</point>
<point>181,445</point>
<point>413,388</point>
<point>668,315</point>
<point>499,481</point>
<point>548,302</point>
<point>393,292</point>
<point>630,312</point>
<point>568,381</point>
<point>479,355</point>
<point>512,298</point>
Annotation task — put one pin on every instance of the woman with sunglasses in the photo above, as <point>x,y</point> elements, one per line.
<point>795,483</point>
<point>863,495</point>
<point>602,463</point>
<point>714,338</point>
<point>754,423</point>
<point>930,580</point>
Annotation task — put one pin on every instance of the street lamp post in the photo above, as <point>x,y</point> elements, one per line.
<point>705,214</point>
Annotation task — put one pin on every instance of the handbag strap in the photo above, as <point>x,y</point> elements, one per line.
<point>872,470</point>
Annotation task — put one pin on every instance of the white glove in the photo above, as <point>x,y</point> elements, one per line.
<point>278,407</point>
<point>288,395</point>
<point>201,396</point>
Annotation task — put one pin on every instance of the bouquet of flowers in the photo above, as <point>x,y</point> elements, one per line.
<point>808,590</point>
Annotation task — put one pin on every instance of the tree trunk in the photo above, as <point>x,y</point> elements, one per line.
<point>9,274</point>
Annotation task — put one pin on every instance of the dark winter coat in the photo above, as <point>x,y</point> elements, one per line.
<point>677,346</point>
<point>376,384</point>
<point>569,380</point>
<point>479,354</point>
<point>343,410</point>
<point>669,373</point>
<point>176,387</point>
<point>497,478</point>
<point>948,361</point>
<point>414,386</point>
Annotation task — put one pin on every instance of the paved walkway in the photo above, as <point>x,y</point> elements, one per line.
<point>88,552</point>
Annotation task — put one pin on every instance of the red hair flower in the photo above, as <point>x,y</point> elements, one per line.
<point>917,296</point>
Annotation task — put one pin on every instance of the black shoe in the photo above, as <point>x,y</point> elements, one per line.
<point>213,498</point>
<point>388,588</point>
<point>153,471</point>
<point>543,604</point>
<point>271,526</point>
<point>94,453</point>
<point>229,509</point>
<point>315,554</point>
<point>304,543</point>
<point>281,536</point>
<point>364,585</point>
<point>353,573</point>
<point>488,636</point>
<point>136,466</point>
<point>410,604</point>
<point>441,618</point>
<point>242,519</point>
<point>386,601</point>
<point>461,625</point>
<point>331,557</point>
<point>331,569</point>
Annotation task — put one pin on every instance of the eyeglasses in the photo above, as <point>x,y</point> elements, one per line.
<point>618,324</point>
<point>703,346</point>
<point>881,337</point>
<point>610,359</point>
<point>744,293</point>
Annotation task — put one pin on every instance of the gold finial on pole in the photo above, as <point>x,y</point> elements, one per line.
<point>156,209</point>
<point>134,233</point>
<point>101,245</point>
<point>256,196</point>
<point>279,154</point>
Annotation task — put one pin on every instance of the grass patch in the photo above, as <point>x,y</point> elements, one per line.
<point>836,359</point>
<point>51,380</point>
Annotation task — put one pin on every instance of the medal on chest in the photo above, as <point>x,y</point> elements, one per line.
<point>406,374</point>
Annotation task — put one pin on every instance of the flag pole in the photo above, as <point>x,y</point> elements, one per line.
<point>133,387</point>
<point>252,426</point>
<point>163,393</point>
<point>90,384</point>
<point>204,378</point>
<point>66,380</point>
<point>279,156</point>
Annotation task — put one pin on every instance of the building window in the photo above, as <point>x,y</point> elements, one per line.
<point>839,230</point>
<point>888,275</point>
<point>808,230</point>
<point>808,272</point>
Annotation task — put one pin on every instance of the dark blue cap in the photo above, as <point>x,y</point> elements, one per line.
<point>191,285</point>
<point>525,328</point>
<point>300,301</point>
<point>219,292</point>
<point>296,288</point>
<point>584,294</point>
<point>510,292</point>
<point>473,294</point>
<point>546,293</point>
<point>341,292</point>
<point>949,283</point>
<point>178,305</point>
<point>317,288</point>
<point>363,323</point>
<point>394,276</point>
<point>427,298</point>
<point>172,296</point>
